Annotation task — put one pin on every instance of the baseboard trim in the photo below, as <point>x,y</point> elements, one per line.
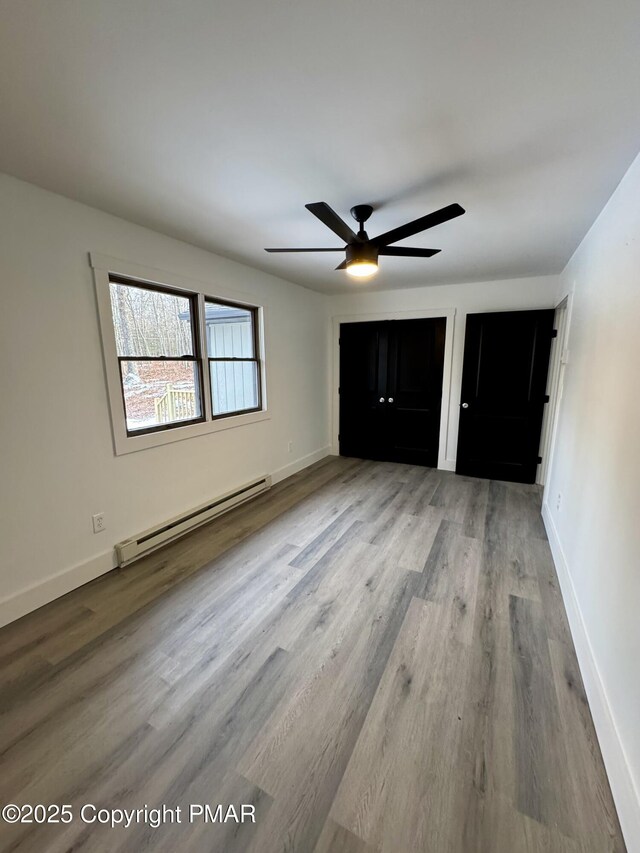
<point>299,464</point>
<point>39,594</point>
<point>443,464</point>
<point>625,794</point>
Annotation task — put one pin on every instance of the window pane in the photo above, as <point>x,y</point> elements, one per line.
<point>160,392</point>
<point>148,322</point>
<point>229,331</point>
<point>234,386</point>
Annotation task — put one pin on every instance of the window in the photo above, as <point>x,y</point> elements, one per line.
<point>156,337</point>
<point>178,363</point>
<point>234,366</point>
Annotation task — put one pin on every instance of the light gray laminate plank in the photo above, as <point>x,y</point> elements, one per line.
<point>523,510</point>
<point>497,827</point>
<point>397,792</point>
<point>324,540</point>
<point>454,495</point>
<point>423,491</point>
<point>336,839</point>
<point>221,837</point>
<point>555,615</point>
<point>312,734</point>
<point>415,539</point>
<point>450,576</point>
<point>599,826</point>
<point>544,789</point>
<point>487,764</point>
<point>476,510</point>
<point>496,526</point>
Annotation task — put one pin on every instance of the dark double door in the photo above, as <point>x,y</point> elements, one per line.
<point>504,377</point>
<point>391,389</point>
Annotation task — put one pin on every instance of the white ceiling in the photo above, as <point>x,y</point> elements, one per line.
<point>215,122</point>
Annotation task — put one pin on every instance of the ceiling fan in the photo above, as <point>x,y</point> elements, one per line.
<point>362,252</point>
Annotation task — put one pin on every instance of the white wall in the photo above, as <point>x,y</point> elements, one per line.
<point>596,469</point>
<point>58,465</point>
<point>513,294</point>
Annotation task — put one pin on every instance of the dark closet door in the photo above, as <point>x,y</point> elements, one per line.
<point>391,389</point>
<point>504,377</point>
<point>415,365</point>
<point>363,390</point>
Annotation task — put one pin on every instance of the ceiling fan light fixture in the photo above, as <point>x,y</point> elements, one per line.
<point>362,269</point>
<point>361,251</point>
<point>362,260</point>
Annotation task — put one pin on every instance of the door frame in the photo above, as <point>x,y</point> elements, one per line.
<point>449,314</point>
<point>555,388</point>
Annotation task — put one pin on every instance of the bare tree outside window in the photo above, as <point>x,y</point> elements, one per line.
<point>155,343</point>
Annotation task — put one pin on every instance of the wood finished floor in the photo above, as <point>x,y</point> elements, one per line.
<point>374,655</point>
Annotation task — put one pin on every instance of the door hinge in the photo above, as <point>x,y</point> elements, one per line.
<point>539,460</point>
<point>546,398</point>
<point>338,390</point>
<point>554,333</point>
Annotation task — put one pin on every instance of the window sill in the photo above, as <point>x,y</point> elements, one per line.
<point>132,443</point>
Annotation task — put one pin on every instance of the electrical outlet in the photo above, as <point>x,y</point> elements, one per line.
<point>290,447</point>
<point>559,502</point>
<point>98,522</point>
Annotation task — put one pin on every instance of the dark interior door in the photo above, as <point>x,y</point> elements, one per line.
<point>504,377</point>
<point>362,390</point>
<point>391,389</point>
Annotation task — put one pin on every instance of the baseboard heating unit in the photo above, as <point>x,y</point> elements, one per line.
<point>147,541</point>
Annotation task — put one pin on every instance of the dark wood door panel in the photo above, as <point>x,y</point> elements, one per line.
<point>362,418</point>
<point>506,359</point>
<point>391,389</point>
<point>414,382</point>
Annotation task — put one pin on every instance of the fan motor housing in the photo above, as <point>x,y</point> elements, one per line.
<point>362,252</point>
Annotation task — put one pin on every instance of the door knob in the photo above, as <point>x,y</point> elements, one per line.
<point>391,399</point>
<point>381,400</point>
<point>465,405</point>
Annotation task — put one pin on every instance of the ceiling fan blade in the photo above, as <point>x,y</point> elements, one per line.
<point>411,228</point>
<point>407,252</point>
<point>305,250</point>
<point>331,219</point>
<point>342,266</point>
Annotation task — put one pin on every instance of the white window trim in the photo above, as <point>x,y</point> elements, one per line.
<point>104,266</point>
